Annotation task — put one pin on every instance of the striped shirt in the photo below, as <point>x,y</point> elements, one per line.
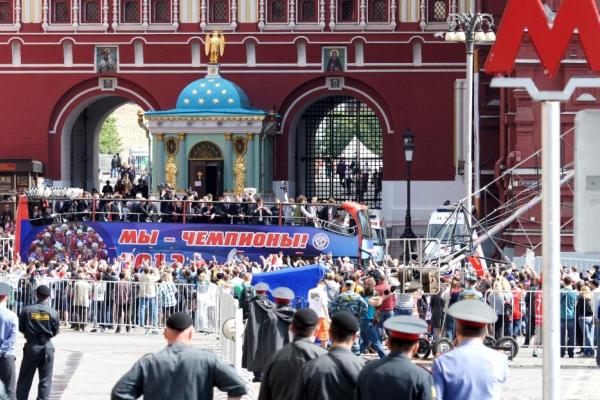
<point>167,293</point>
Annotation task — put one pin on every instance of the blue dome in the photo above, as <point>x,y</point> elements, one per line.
<point>211,94</point>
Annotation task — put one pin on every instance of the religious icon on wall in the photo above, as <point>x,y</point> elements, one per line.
<point>334,59</point>
<point>240,146</point>
<point>107,59</point>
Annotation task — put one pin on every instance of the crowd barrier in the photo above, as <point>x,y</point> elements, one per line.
<point>520,316</point>
<point>6,247</point>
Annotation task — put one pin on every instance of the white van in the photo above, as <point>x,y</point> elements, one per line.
<point>447,231</point>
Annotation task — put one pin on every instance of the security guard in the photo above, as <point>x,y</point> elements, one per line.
<point>472,370</point>
<point>8,338</point>
<point>39,323</point>
<point>258,309</point>
<point>334,375</point>
<point>275,328</point>
<point>395,376</point>
<point>179,371</point>
<point>276,383</point>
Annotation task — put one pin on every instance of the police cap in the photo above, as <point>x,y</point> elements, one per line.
<point>345,321</point>
<point>305,317</point>
<point>284,294</point>
<point>5,289</point>
<point>179,321</point>
<point>405,327</point>
<point>472,313</point>
<point>471,278</point>
<point>43,291</point>
<point>261,287</point>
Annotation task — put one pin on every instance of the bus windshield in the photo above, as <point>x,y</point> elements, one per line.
<point>365,224</point>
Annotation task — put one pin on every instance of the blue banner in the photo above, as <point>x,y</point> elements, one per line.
<point>299,280</point>
<point>177,242</point>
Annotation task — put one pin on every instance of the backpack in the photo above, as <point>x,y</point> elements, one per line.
<point>246,295</point>
<point>508,312</point>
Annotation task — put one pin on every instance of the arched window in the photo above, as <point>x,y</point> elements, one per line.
<point>130,11</point>
<point>6,14</point>
<point>90,12</point>
<point>219,11</point>
<point>308,11</point>
<point>161,11</point>
<point>378,11</point>
<point>347,11</point>
<point>61,12</point>
<point>278,11</point>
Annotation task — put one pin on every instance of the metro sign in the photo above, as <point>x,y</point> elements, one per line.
<point>549,40</point>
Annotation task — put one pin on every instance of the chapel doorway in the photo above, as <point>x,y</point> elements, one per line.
<point>205,169</point>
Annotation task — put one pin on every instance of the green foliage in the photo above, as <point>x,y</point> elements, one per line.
<point>110,142</point>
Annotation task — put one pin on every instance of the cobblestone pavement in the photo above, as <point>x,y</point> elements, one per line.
<point>88,364</point>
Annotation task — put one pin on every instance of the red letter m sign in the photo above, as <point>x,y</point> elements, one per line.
<point>550,40</point>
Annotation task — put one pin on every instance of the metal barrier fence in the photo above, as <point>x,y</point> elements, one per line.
<point>520,316</point>
<point>6,247</point>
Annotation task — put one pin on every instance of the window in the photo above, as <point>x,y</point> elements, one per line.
<point>60,12</point>
<point>219,11</point>
<point>6,15</point>
<point>378,11</point>
<point>161,11</point>
<point>439,11</point>
<point>90,12</point>
<point>130,11</point>
<point>278,11</point>
<point>346,11</point>
<point>308,11</point>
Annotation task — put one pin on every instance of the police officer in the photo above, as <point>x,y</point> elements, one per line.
<point>258,309</point>
<point>395,376</point>
<point>39,323</point>
<point>179,371</point>
<point>334,375</point>
<point>8,337</point>
<point>472,370</point>
<point>276,383</point>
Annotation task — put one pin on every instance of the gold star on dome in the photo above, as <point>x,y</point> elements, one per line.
<point>223,91</point>
<point>186,101</point>
<point>209,92</point>
<point>230,101</point>
<point>217,84</point>
<point>216,101</point>
<point>194,91</point>
<point>200,101</point>
<point>202,85</point>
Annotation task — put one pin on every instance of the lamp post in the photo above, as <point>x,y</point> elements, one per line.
<point>470,28</point>
<point>409,149</point>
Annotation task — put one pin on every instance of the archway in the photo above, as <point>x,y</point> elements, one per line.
<point>339,151</point>
<point>82,165</point>
<point>205,169</point>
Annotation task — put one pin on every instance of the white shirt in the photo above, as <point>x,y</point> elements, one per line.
<point>596,301</point>
<point>317,301</point>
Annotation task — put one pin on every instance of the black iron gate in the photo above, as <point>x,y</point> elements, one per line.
<point>343,151</point>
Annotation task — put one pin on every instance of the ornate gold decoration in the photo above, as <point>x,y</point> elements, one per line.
<point>206,151</point>
<point>160,137</point>
<point>240,145</point>
<point>214,46</point>
<point>127,183</point>
<point>228,137</point>
<point>171,171</point>
<point>199,118</point>
<point>181,137</point>
<point>239,175</point>
<point>171,146</point>
<point>251,136</point>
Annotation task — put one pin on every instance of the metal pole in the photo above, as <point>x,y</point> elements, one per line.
<point>476,144</point>
<point>551,248</point>
<point>469,127</point>
<point>408,232</point>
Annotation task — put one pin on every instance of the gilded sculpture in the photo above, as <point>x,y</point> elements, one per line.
<point>171,171</point>
<point>214,46</point>
<point>239,175</point>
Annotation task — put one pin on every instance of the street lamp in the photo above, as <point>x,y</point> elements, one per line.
<point>470,28</point>
<point>409,150</point>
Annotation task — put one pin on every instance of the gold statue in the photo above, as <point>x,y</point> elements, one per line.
<point>171,171</point>
<point>239,175</point>
<point>214,46</point>
<point>127,183</point>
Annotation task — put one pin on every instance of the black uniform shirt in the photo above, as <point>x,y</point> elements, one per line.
<point>281,373</point>
<point>394,377</point>
<point>178,372</point>
<point>39,323</point>
<point>329,377</point>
